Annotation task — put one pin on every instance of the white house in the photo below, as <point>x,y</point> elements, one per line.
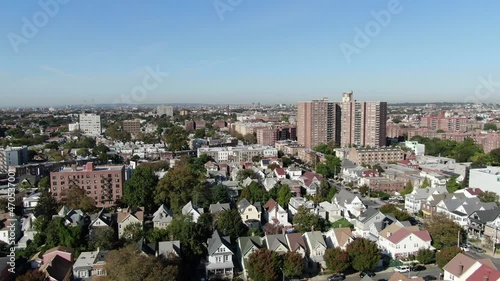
<point>404,241</point>
<point>465,268</point>
<point>162,217</point>
<point>294,172</point>
<point>413,201</point>
<point>190,210</point>
<point>316,247</point>
<point>275,214</point>
<point>333,212</point>
<point>30,201</point>
<point>220,257</point>
<point>349,203</point>
<point>127,217</point>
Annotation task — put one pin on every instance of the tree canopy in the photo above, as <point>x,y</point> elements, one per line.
<point>305,221</point>
<point>127,264</point>
<point>139,190</point>
<point>444,232</point>
<point>176,187</point>
<point>264,265</point>
<point>176,138</point>
<point>229,223</point>
<point>337,260</point>
<point>446,254</point>
<point>293,264</point>
<point>364,254</point>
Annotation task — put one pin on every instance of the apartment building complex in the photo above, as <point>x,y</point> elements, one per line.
<point>368,155</point>
<point>90,124</point>
<point>132,126</point>
<point>318,122</point>
<point>165,110</point>
<point>103,184</point>
<point>447,124</point>
<point>224,155</point>
<point>363,122</point>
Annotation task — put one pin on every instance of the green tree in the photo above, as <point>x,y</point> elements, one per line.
<point>494,156</point>
<point>446,254</point>
<point>250,138</point>
<point>229,222</point>
<point>84,152</point>
<point>337,260</point>
<point>444,232</point>
<point>286,161</point>
<point>488,196</point>
<point>490,126</point>
<point>264,265</point>
<point>425,256</point>
<point>47,205</point>
<point>133,232</point>
<point>425,183</point>
<point>304,221</point>
<point>155,235</point>
<point>199,133</point>
<point>408,189</point>
<point>330,168</point>
<point>364,254</point>
<point>58,234</point>
<point>176,139</point>
<point>293,264</point>
<point>452,185</point>
<point>102,238</point>
<point>220,194</point>
<point>176,187</point>
<point>182,228</point>
<point>364,189</point>
<point>284,196</point>
<point>127,264</point>
<point>75,198</point>
<point>139,190</point>
<point>245,173</point>
<point>254,193</point>
<point>44,183</point>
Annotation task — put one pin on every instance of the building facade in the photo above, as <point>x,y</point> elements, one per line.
<point>90,124</point>
<point>224,155</point>
<point>103,184</point>
<point>165,110</point>
<point>12,156</point>
<point>132,126</point>
<point>318,122</point>
<point>365,155</point>
<point>363,123</point>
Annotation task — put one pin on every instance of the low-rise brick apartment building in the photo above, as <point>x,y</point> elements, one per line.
<point>132,126</point>
<point>104,184</point>
<point>374,155</point>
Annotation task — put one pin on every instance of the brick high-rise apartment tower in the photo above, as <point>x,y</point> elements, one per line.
<point>318,122</point>
<point>363,122</point>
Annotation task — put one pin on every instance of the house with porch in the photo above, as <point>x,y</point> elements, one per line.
<point>220,257</point>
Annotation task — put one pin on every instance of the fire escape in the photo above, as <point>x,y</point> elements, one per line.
<point>106,189</point>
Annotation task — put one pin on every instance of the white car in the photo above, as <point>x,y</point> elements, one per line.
<point>402,269</point>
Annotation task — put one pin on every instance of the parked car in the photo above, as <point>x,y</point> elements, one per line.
<point>402,269</point>
<point>418,267</point>
<point>464,247</point>
<point>336,277</point>
<point>430,278</point>
<point>368,272</point>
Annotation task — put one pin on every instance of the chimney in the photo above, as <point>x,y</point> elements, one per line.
<point>461,266</point>
<point>90,166</point>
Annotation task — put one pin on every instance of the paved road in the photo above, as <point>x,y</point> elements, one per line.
<point>430,270</point>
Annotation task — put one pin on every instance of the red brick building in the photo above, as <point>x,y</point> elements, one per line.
<point>103,184</point>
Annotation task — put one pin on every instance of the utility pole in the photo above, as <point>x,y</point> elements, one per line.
<point>458,239</point>
<point>495,241</point>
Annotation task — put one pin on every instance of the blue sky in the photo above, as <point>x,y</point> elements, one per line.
<point>257,51</point>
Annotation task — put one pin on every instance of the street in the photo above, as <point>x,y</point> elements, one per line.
<point>429,271</point>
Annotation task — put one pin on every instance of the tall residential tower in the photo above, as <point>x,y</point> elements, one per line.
<point>363,122</point>
<point>318,122</point>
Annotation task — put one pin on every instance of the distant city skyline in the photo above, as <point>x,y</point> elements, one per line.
<point>162,52</point>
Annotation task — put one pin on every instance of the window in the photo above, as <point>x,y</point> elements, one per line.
<point>218,259</point>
